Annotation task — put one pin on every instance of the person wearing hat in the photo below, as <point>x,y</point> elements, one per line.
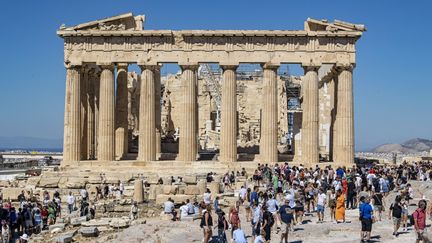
<point>286,215</point>
<point>24,238</point>
<point>222,225</point>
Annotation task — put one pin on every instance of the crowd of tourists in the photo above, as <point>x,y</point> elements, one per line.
<point>34,215</point>
<point>275,199</point>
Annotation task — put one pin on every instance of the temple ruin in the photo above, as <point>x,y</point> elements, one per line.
<point>211,112</point>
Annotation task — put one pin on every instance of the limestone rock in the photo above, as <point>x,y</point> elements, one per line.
<point>190,179</point>
<point>119,223</point>
<point>179,198</point>
<point>78,221</point>
<point>60,226</point>
<point>49,182</point>
<point>168,189</point>
<point>89,231</point>
<point>192,190</point>
<point>11,193</point>
<point>96,222</point>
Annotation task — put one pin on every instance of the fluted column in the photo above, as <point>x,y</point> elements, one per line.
<point>310,134</point>
<point>121,108</point>
<point>269,122</point>
<point>147,120</point>
<point>96,112</point>
<point>188,148</point>
<point>228,142</point>
<point>344,121</point>
<point>106,141</point>
<point>72,118</point>
<point>90,115</point>
<point>158,111</point>
<point>84,118</point>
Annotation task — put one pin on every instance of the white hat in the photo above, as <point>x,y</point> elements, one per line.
<point>24,237</point>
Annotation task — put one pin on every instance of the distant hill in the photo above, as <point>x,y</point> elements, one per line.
<point>30,143</point>
<point>411,146</point>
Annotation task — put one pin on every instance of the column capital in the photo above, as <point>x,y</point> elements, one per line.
<point>109,66</point>
<point>229,67</point>
<point>310,67</point>
<point>153,68</point>
<point>122,66</point>
<point>268,65</point>
<point>345,66</point>
<point>189,66</point>
<point>68,65</point>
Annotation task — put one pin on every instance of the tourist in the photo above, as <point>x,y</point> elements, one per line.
<point>366,219</point>
<point>260,238</point>
<point>378,204</point>
<point>134,211</point>
<point>268,222</point>
<point>121,189</point>
<point>340,207</point>
<point>207,197</point>
<point>285,212</point>
<point>238,235</point>
<point>242,194</point>
<point>254,196</point>
<point>233,218</point>
<point>6,233</point>
<point>190,206</point>
<point>184,210</point>
<point>256,220</point>
<point>71,202</point>
<point>395,212</point>
<point>272,206</point>
<point>207,223</point>
<point>216,203</point>
<point>321,203</point>
<point>351,194</point>
<point>37,221</point>
<point>404,219</point>
<point>332,204</point>
<point>222,226</point>
<point>24,238</point>
<point>169,208</point>
<point>247,205</point>
<point>419,218</point>
<point>84,195</point>
<point>44,214</point>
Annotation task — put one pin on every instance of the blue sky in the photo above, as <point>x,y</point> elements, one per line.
<point>393,86</point>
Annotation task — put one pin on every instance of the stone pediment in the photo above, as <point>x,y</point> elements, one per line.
<point>116,23</point>
<point>336,26</point>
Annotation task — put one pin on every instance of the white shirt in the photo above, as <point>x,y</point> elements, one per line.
<point>321,199</point>
<point>242,193</point>
<point>272,205</point>
<point>70,199</point>
<point>207,198</point>
<point>239,236</point>
<point>184,211</point>
<point>290,198</point>
<point>259,239</point>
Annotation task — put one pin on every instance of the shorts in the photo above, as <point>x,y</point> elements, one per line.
<point>405,211</point>
<point>378,208</point>
<point>299,209</point>
<point>284,228</point>
<point>320,208</point>
<point>396,221</point>
<point>366,225</point>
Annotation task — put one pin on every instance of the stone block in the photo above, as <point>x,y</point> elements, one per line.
<point>89,231</point>
<point>179,198</point>
<point>214,187</point>
<point>11,193</point>
<point>119,223</point>
<point>165,217</point>
<point>96,222</point>
<point>121,208</point>
<point>190,179</point>
<point>78,221</point>
<point>192,190</point>
<point>66,237</point>
<point>154,191</point>
<point>33,181</point>
<point>49,182</point>
<point>73,183</point>
<point>138,222</point>
<point>60,226</point>
<point>168,189</point>
<point>202,185</point>
<point>4,183</point>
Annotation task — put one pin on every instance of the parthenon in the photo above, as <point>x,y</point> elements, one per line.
<point>97,56</point>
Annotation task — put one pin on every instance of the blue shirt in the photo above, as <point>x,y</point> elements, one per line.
<point>365,211</point>
<point>286,217</point>
<point>254,198</point>
<point>339,172</point>
<point>239,236</point>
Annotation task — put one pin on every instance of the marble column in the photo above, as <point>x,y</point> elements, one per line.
<point>147,119</point>
<point>84,118</point>
<point>72,118</point>
<point>344,120</point>
<point>158,111</point>
<point>310,137</point>
<point>121,109</point>
<point>106,138</point>
<point>90,115</point>
<point>228,142</point>
<point>188,148</point>
<point>269,122</point>
<point>96,111</point>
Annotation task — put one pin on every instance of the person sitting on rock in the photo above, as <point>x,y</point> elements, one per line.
<point>134,211</point>
<point>169,208</point>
